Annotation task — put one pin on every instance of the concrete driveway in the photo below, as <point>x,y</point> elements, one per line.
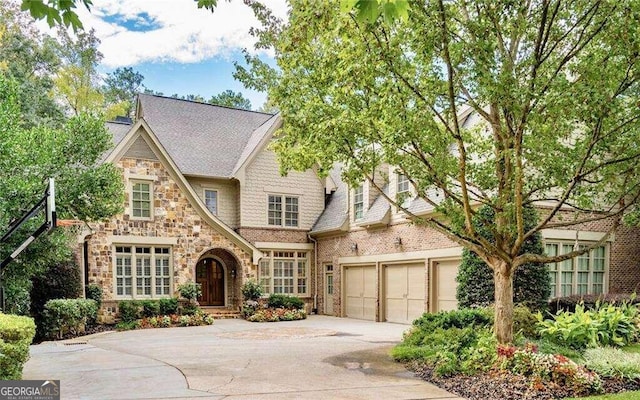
<point>318,358</point>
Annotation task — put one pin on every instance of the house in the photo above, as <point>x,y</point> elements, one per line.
<point>205,202</point>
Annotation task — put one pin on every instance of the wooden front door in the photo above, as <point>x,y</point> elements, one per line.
<point>210,276</point>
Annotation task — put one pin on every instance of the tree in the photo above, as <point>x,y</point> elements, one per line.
<point>85,189</point>
<point>30,59</point>
<point>121,87</point>
<point>531,283</point>
<point>229,98</point>
<point>553,86</point>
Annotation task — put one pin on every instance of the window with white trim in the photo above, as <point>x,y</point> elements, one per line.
<point>358,203</point>
<point>142,271</point>
<point>211,200</point>
<point>584,274</point>
<point>279,217</point>
<point>285,272</point>
<point>141,199</point>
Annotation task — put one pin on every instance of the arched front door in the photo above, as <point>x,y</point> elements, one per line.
<point>210,276</point>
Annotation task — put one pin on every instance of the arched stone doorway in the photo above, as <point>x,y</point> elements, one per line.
<point>217,271</point>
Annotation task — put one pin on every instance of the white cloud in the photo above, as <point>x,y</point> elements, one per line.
<point>183,34</point>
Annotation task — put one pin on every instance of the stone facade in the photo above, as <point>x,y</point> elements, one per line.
<point>174,218</point>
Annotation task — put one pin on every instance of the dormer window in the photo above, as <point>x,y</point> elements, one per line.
<point>358,203</point>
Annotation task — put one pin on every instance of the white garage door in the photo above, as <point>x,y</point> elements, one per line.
<point>404,292</point>
<point>360,292</point>
<point>445,281</point>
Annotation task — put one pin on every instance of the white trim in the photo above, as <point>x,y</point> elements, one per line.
<point>583,236</point>
<point>283,246</point>
<point>150,240</point>
<point>407,256</point>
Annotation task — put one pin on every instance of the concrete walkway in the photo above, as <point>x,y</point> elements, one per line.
<point>318,358</point>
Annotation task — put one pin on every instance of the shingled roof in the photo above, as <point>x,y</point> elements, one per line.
<point>202,139</point>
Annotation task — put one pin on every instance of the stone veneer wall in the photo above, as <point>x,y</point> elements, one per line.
<point>174,217</point>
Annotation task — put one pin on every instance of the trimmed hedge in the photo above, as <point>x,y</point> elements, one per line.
<point>61,316</point>
<point>16,334</point>
<point>569,303</point>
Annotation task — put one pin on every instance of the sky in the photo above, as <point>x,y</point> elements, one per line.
<point>176,46</point>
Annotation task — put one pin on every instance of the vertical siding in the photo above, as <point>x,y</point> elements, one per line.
<point>227,197</point>
<point>263,177</point>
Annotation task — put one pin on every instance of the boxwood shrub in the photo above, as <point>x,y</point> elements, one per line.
<point>63,316</point>
<point>16,334</point>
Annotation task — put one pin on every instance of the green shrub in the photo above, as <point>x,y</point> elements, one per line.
<point>252,290</point>
<point>129,310</point>
<point>449,351</point>
<point>613,362</point>
<point>150,308</point>
<point>531,283</point>
<point>16,334</point>
<point>285,301</point>
<point>94,292</point>
<point>190,291</point>
<point>606,325</point>
<point>61,316</point>
<point>168,306</point>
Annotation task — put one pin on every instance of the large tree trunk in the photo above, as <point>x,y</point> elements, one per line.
<point>503,324</point>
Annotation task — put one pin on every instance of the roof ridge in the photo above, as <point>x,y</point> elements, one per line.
<point>203,103</point>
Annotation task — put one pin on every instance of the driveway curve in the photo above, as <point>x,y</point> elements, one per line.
<point>317,358</point>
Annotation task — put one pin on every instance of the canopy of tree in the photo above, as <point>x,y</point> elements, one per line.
<point>553,85</point>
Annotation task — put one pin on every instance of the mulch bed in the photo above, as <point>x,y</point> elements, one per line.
<point>504,386</point>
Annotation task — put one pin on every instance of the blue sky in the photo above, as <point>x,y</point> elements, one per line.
<point>176,46</point>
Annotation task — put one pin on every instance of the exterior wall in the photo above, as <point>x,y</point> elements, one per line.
<point>176,219</point>
<point>376,247</point>
<point>262,177</point>
<point>227,197</point>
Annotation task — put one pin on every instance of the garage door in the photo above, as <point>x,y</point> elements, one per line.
<point>404,292</point>
<point>360,292</point>
<point>445,280</point>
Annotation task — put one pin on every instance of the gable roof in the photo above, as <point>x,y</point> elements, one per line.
<point>203,139</point>
<point>142,129</point>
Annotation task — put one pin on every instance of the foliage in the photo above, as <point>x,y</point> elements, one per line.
<point>538,107</point>
<point>613,362</point>
<point>277,314</point>
<point>252,290</point>
<point>589,301</point>
<point>94,292</point>
<point>449,351</point>
<point>276,300</point>
<point>168,306</point>
<point>229,98</point>
<point>531,283</point>
<point>61,316</point>
<point>85,190</point>
<point>190,291</point>
<point>16,334</point>
<point>121,87</point>
<point>548,368</point>
<point>606,325</point>
<point>60,281</point>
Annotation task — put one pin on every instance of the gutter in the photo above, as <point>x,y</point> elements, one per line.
<point>315,262</point>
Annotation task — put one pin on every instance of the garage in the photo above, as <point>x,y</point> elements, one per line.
<point>405,292</point>
<point>360,292</point>
<point>444,290</point>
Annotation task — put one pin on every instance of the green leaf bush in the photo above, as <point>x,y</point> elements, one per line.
<point>62,316</point>
<point>605,325</point>
<point>613,362</point>
<point>16,334</point>
<point>285,301</point>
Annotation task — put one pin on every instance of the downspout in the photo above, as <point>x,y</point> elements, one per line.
<point>315,262</point>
